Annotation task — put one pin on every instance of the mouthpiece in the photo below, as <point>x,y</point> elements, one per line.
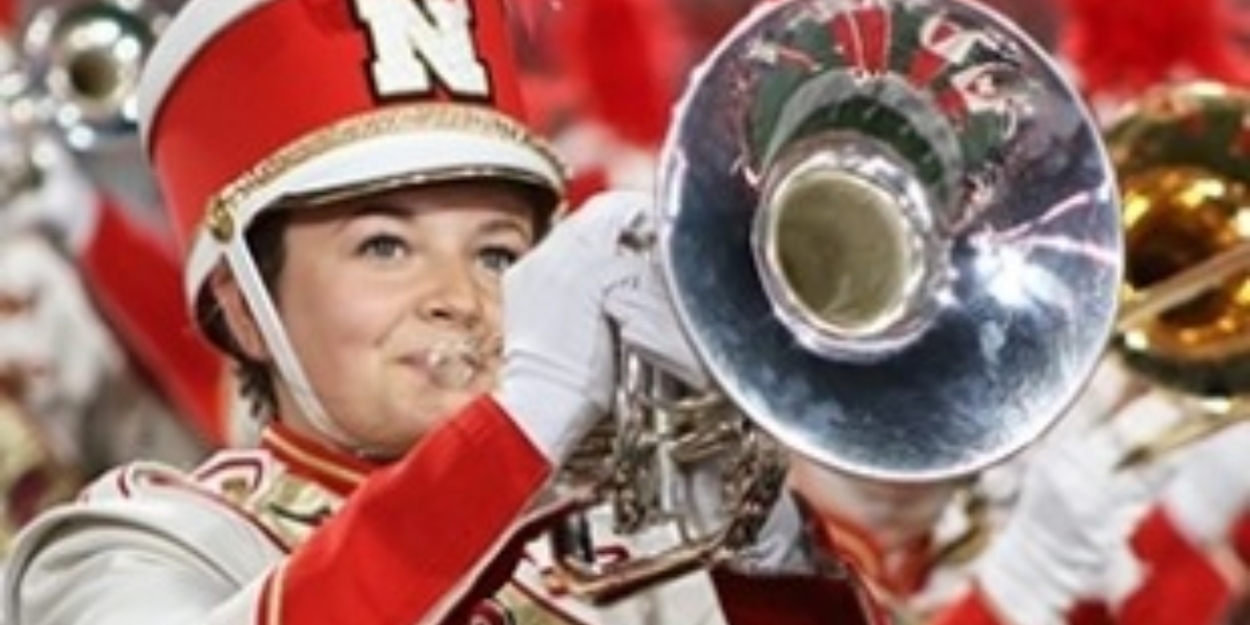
<point>454,363</point>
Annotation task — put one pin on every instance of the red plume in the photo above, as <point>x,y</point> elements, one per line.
<point>8,16</point>
<point>627,57</point>
<point>1120,47</point>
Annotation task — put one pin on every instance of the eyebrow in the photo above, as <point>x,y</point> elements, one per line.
<point>496,225</point>
<point>384,209</point>
<point>369,210</point>
<point>504,225</point>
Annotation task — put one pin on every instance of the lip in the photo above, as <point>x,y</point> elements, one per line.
<point>445,364</point>
<point>450,346</point>
<point>419,359</point>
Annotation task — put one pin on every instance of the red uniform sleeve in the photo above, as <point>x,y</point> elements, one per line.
<point>1241,538</point>
<point>976,609</point>
<point>1182,584</point>
<point>414,543</point>
<point>136,280</point>
<point>973,609</point>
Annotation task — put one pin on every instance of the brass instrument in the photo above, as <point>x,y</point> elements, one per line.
<point>86,57</point>
<point>1181,155</point>
<point>83,60</point>
<point>893,237</point>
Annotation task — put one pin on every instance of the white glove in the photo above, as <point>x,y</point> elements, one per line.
<point>647,324</point>
<point>1211,489</point>
<point>560,303</point>
<point>64,203</point>
<point>1075,508</point>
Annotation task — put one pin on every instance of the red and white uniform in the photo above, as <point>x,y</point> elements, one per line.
<point>294,533</point>
<point>272,536</point>
<point>1190,566</point>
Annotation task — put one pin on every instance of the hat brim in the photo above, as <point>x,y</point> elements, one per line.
<point>378,164</point>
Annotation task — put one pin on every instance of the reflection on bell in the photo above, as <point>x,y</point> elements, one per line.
<point>845,198</point>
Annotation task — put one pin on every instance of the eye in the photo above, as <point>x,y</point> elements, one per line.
<point>497,258</point>
<point>383,246</point>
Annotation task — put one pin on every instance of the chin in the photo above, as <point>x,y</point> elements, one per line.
<point>444,404</point>
<point>424,416</point>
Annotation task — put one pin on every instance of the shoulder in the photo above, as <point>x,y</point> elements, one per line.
<point>222,478</point>
<point>197,505</point>
<point>151,506</point>
<point>140,528</point>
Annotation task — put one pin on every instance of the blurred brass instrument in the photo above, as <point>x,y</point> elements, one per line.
<point>1182,154</point>
<point>84,58</point>
<point>893,238</point>
<point>81,63</point>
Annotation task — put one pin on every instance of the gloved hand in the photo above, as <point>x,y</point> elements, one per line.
<point>1076,506</point>
<point>560,305</point>
<point>64,203</point>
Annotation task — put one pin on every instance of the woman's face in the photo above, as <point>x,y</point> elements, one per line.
<point>371,287</point>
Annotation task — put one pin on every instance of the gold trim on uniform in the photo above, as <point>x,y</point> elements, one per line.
<point>291,507</point>
<point>337,471</point>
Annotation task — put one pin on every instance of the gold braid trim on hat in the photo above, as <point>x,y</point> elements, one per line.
<point>479,120</point>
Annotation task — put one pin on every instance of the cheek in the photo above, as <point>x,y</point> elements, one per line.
<point>351,323</point>
<point>328,312</point>
<point>340,319</point>
<point>490,294</point>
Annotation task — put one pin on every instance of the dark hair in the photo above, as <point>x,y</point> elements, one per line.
<point>268,250</point>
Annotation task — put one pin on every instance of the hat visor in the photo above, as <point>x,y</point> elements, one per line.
<point>382,163</point>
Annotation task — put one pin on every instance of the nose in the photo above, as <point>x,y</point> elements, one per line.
<point>453,296</point>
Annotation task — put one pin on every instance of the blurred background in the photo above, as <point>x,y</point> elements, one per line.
<point>100,364</point>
